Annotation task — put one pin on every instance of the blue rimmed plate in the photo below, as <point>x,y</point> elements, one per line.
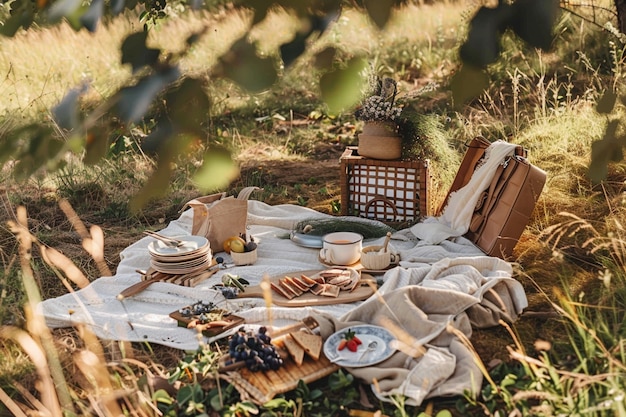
<point>378,338</point>
<point>307,241</point>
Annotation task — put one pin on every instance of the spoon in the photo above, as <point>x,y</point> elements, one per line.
<point>387,239</point>
<point>371,346</point>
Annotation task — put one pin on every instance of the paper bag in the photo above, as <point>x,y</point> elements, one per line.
<point>218,217</point>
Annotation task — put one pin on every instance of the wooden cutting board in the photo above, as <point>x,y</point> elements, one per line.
<point>263,386</point>
<point>362,292</point>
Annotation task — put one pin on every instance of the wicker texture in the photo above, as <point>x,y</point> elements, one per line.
<point>394,192</point>
<point>380,141</point>
<point>244,258</point>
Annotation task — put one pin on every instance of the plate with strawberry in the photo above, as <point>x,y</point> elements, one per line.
<point>359,346</point>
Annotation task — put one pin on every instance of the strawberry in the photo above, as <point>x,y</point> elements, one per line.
<point>350,340</point>
<point>352,345</point>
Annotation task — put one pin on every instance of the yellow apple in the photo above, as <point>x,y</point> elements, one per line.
<point>237,244</point>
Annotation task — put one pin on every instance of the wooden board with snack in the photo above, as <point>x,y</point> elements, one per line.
<point>315,288</point>
<point>303,359</point>
<point>205,317</point>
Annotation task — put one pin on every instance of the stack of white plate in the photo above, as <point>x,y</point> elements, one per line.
<point>192,256</point>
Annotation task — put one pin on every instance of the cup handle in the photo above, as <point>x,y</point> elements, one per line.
<point>395,258</point>
<point>326,255</point>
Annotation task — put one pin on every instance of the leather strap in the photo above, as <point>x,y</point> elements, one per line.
<point>498,183</point>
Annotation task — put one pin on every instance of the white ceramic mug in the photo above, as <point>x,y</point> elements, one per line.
<point>373,258</point>
<point>341,248</point>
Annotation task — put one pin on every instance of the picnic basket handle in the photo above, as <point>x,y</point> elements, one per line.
<point>386,202</point>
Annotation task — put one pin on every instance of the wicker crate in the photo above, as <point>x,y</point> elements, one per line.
<point>394,192</point>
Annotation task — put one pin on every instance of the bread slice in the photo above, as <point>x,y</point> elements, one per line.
<point>308,280</point>
<point>298,284</point>
<point>330,290</point>
<point>311,343</point>
<point>317,289</point>
<point>285,285</point>
<point>281,291</point>
<point>295,350</point>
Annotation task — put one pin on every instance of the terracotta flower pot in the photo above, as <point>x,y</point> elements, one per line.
<point>380,140</point>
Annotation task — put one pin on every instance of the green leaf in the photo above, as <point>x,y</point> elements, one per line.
<point>261,8</point>
<point>135,101</point>
<point>243,66</point>
<point>216,403</point>
<point>96,146</point>
<point>290,51</point>
<point>607,102</point>
<point>93,15</point>
<point>195,37</point>
<point>482,46</point>
<point>43,149</point>
<point>603,151</point>
<point>188,106</point>
<point>136,53</point>
<point>533,21</point>
<point>379,11</point>
<point>325,58</point>
<point>158,137</point>
<point>65,114</point>
<point>162,397</point>
<point>117,6</point>
<point>156,185</point>
<point>342,87</point>
<point>15,22</point>
<point>248,407</point>
<point>218,170</point>
<point>63,8</point>
<point>9,142</point>
<point>467,83</point>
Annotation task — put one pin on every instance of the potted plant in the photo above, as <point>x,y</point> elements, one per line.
<point>380,112</point>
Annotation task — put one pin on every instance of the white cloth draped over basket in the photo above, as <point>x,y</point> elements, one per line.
<point>443,280</point>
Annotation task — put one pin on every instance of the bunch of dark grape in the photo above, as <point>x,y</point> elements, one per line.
<point>228,292</point>
<point>198,308</point>
<point>256,350</point>
<point>250,245</point>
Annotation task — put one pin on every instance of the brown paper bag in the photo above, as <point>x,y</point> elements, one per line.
<point>218,217</point>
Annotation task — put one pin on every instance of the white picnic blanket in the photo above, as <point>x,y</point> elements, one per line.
<point>436,286</point>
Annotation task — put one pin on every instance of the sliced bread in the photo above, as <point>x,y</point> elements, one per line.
<point>295,350</point>
<point>311,343</point>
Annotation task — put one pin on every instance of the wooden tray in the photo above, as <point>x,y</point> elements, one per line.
<point>359,267</point>
<point>263,386</point>
<point>231,319</point>
<point>362,292</point>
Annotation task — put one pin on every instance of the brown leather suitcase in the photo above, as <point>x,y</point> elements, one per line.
<point>504,209</point>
